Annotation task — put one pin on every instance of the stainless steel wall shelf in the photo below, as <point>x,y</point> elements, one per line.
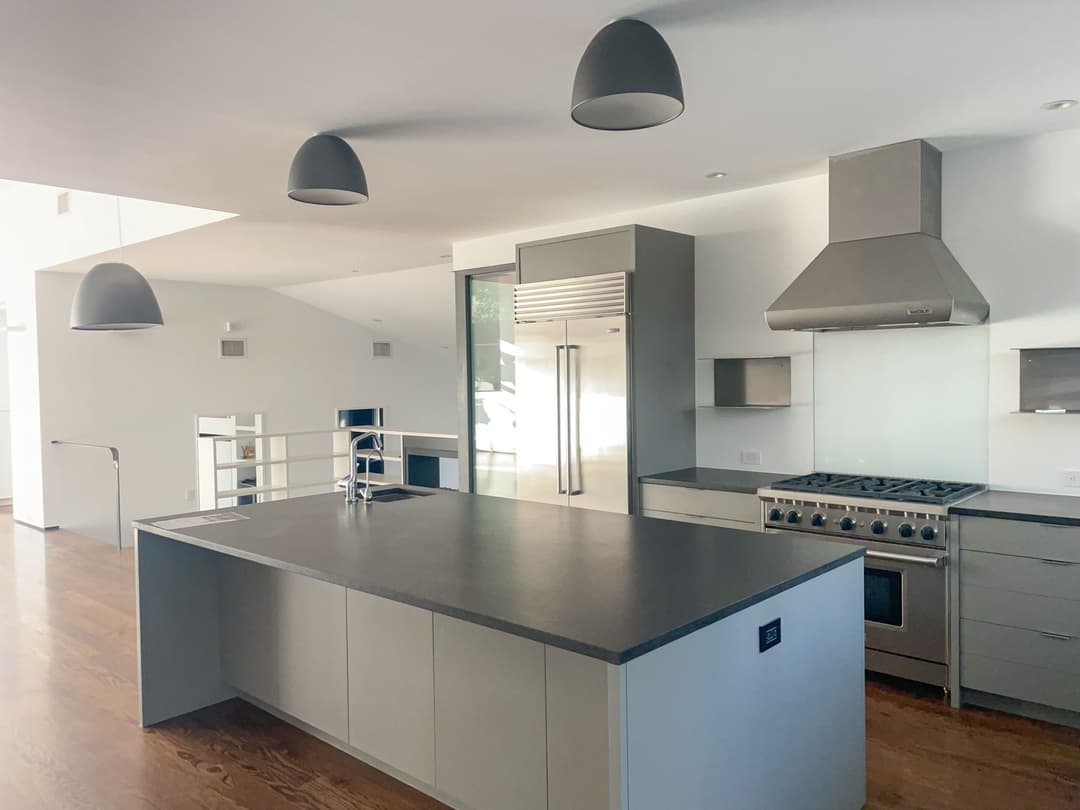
<point>752,382</point>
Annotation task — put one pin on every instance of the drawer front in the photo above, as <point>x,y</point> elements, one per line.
<point>1026,610</point>
<point>578,256</point>
<point>738,506</point>
<point>1022,538</point>
<point>1020,681</point>
<point>1023,574</point>
<point>1058,654</point>
<point>704,521</point>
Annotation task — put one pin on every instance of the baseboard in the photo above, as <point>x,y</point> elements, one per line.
<point>38,528</point>
<point>1024,708</point>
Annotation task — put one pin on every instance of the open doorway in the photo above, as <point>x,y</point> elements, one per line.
<point>228,468</point>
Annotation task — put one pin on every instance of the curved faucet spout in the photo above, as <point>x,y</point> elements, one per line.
<point>354,449</point>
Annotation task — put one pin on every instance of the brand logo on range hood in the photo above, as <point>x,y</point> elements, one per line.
<point>920,311</point>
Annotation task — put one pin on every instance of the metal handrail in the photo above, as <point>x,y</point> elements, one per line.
<point>115,453</point>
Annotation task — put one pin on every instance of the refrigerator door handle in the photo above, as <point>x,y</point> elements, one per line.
<point>570,443</point>
<point>559,488</point>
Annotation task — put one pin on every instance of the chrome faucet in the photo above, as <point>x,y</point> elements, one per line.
<point>354,448</point>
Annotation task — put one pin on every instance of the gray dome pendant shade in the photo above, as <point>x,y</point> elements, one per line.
<point>114,297</point>
<point>627,79</point>
<point>326,171</point>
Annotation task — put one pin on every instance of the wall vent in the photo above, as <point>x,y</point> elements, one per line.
<point>380,348</point>
<point>233,348</point>
<point>63,203</point>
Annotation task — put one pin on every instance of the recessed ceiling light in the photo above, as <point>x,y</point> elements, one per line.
<point>715,175</point>
<point>1059,104</point>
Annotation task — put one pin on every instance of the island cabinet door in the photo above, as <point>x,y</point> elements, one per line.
<point>490,739</point>
<point>312,661</point>
<point>249,633</point>
<point>391,683</point>
<point>283,642</point>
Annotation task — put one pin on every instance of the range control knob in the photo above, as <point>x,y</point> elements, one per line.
<point>905,530</point>
<point>928,532</point>
<point>794,516</point>
<point>775,515</point>
<point>878,527</point>
<point>817,519</point>
<point>847,523</point>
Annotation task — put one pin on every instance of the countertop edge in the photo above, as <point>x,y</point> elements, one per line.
<point>590,651</point>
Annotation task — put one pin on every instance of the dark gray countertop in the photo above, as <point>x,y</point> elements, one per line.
<point>608,586</point>
<point>1061,509</point>
<point>710,478</point>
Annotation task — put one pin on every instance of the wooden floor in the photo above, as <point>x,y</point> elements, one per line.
<point>69,733</point>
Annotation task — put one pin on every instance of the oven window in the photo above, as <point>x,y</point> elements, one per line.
<point>884,599</point>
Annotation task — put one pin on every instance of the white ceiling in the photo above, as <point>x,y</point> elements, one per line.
<point>459,111</point>
<point>414,306</point>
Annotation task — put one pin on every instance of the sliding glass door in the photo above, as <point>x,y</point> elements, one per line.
<point>492,353</point>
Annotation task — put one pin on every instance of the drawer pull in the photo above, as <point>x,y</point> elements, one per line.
<point>1056,636</point>
<point>1056,562</point>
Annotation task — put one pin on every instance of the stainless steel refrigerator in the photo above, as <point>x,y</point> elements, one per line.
<point>572,340</point>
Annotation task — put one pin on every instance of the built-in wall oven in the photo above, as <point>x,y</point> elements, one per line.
<point>903,525</point>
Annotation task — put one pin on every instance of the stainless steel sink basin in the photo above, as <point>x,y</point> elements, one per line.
<point>397,494</point>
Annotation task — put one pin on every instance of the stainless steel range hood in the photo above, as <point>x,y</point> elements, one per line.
<point>885,264</point>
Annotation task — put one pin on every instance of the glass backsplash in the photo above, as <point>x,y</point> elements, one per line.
<point>902,402</point>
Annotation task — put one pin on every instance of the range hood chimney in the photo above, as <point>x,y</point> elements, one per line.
<point>885,264</point>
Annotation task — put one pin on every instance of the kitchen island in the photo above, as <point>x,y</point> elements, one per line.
<point>501,654</point>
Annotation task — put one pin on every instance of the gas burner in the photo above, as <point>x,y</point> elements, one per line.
<point>891,489</point>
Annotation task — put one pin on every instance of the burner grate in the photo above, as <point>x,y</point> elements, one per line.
<point>892,489</point>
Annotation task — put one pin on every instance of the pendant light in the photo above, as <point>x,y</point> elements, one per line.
<point>627,79</point>
<point>326,171</point>
<point>114,297</point>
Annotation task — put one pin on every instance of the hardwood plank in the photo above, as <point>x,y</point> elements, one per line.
<point>70,736</point>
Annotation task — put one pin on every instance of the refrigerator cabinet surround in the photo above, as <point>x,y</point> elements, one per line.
<point>572,392</point>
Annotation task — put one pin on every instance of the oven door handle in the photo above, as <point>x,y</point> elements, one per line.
<point>932,562</point>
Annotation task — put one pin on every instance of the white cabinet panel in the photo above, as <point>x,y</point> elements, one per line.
<point>313,680</point>
<point>490,743</point>
<point>391,683</point>
<point>585,732</point>
<point>283,642</point>
<point>249,604</point>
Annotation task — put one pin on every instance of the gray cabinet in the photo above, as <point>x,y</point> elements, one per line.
<point>1020,610</point>
<point>283,642</point>
<point>391,683</point>
<point>732,510</point>
<point>573,256</point>
<point>490,740</point>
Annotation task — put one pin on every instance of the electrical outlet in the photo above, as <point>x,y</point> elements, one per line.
<point>1070,478</point>
<point>189,495</point>
<point>754,457</point>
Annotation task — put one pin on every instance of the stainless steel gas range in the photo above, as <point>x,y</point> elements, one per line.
<point>904,525</point>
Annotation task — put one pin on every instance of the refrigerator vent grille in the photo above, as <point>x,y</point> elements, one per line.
<point>585,297</point>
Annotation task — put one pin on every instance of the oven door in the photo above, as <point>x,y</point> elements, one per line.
<point>906,598</point>
<point>906,601</point>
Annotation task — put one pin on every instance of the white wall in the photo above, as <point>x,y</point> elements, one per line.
<point>749,246</point>
<point>1012,218</point>
<point>141,391</point>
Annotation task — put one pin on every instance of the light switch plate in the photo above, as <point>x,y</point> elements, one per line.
<point>754,457</point>
<point>1070,478</point>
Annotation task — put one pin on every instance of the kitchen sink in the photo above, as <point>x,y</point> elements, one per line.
<point>397,494</point>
